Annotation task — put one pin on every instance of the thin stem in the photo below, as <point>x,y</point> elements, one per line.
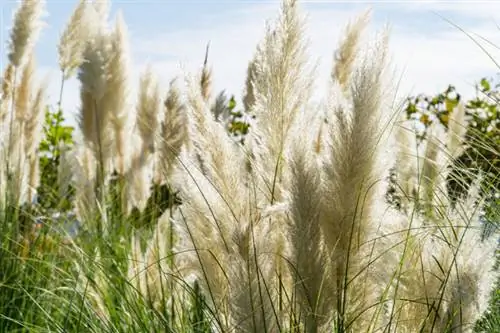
<point>63,80</point>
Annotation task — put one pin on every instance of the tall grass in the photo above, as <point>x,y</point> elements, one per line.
<point>182,228</point>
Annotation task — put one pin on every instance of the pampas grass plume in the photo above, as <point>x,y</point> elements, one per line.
<point>174,129</point>
<point>117,100</point>
<point>73,40</point>
<point>24,91</point>
<point>25,30</point>
<point>346,53</point>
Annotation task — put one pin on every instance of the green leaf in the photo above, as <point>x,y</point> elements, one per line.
<point>485,85</point>
<point>232,103</point>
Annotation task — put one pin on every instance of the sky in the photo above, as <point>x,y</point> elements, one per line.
<point>427,51</point>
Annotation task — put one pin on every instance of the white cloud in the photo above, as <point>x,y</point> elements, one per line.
<point>482,10</point>
<point>428,62</point>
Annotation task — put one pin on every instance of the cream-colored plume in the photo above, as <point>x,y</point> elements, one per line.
<point>457,127</point>
<point>148,110</point>
<point>206,78</point>
<point>282,89</point>
<point>139,177</point>
<point>73,40</point>
<point>33,130</point>
<point>93,116</point>
<point>25,30</point>
<point>347,52</point>
<point>24,91</point>
<point>310,266</point>
<point>406,167</point>
<point>7,91</point>
<point>249,96</point>
<point>117,97</point>
<point>353,184</point>
<point>174,130</point>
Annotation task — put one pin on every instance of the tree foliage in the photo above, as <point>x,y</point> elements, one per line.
<point>56,137</point>
<point>482,138</point>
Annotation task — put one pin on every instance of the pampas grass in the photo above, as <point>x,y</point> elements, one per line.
<point>183,228</point>
<point>25,29</point>
<point>174,131</point>
<point>17,100</point>
<point>345,56</point>
<point>117,98</point>
<point>72,41</point>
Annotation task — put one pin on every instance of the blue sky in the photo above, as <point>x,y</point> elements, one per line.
<point>171,35</point>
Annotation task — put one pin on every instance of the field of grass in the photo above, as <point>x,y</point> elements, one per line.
<point>178,213</point>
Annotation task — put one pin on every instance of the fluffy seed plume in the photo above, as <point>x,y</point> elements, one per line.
<point>94,121</point>
<point>101,9</point>
<point>24,91</point>
<point>249,97</point>
<point>25,30</point>
<point>33,126</point>
<point>206,77</point>
<point>406,166</point>
<point>116,100</point>
<point>73,40</point>
<point>139,176</point>
<point>434,172</point>
<point>173,129</point>
<point>353,177</point>
<point>7,90</point>
<point>32,133</point>
<point>93,118</point>
<point>148,108</point>
<point>309,270</point>
<point>220,219</point>
<point>348,49</point>
<point>282,88</point>
<point>457,125</point>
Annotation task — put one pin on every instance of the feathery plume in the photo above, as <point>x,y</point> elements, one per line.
<point>7,91</point>
<point>206,77</point>
<point>353,177</point>
<point>138,177</point>
<point>318,143</point>
<point>223,207</point>
<point>24,91</point>
<point>457,127</point>
<point>73,40</point>
<point>348,50</point>
<point>101,9</point>
<point>25,30</point>
<point>32,133</point>
<point>221,220</point>
<point>137,181</point>
<point>33,128</point>
<point>249,96</point>
<point>84,178</point>
<point>220,110</point>
<point>308,264</point>
<point>448,271</point>
<point>173,129</point>
<point>406,166</point>
<point>19,161</point>
<point>65,170</point>
<point>17,135</point>
<point>148,110</point>
<point>472,275</point>
<point>116,100</point>
<point>432,190</point>
<point>282,88</point>
<point>93,118</point>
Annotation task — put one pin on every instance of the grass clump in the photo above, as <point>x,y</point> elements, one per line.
<point>183,226</point>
